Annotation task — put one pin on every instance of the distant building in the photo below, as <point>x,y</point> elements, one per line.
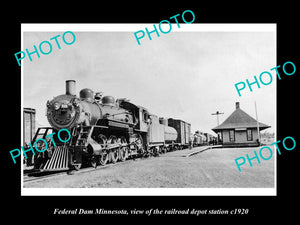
<point>239,129</point>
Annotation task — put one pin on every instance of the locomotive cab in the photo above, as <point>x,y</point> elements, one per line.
<point>140,114</point>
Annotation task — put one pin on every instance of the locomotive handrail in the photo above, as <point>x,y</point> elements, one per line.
<point>117,114</point>
<point>38,133</point>
<point>119,121</point>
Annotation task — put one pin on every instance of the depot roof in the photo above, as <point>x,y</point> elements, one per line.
<point>240,119</point>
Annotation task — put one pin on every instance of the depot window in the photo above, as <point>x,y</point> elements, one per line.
<point>249,135</point>
<point>231,136</point>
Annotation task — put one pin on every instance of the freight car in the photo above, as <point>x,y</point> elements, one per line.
<point>105,130</point>
<point>199,139</point>
<point>28,131</point>
<point>184,132</point>
<point>211,139</point>
<point>202,138</point>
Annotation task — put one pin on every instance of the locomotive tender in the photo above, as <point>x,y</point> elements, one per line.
<point>105,130</point>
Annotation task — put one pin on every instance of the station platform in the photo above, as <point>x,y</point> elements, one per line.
<point>189,152</point>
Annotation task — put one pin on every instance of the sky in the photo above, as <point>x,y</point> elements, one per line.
<point>185,75</point>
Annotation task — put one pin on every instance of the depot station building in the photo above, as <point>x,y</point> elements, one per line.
<point>239,129</point>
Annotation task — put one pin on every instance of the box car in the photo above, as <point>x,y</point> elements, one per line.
<point>183,131</point>
<point>28,130</point>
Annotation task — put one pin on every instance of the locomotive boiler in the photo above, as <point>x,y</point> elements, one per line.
<point>68,111</point>
<point>103,130</point>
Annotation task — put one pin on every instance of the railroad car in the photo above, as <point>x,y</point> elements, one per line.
<point>183,130</point>
<point>104,130</point>
<point>28,131</point>
<point>199,139</point>
<point>210,139</point>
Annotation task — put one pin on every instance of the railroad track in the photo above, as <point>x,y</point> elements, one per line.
<point>40,176</point>
<point>44,175</point>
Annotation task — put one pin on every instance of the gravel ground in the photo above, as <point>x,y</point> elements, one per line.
<point>213,168</point>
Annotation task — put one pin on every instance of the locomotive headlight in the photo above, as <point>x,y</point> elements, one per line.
<point>56,105</point>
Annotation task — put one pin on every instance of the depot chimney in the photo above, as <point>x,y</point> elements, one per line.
<point>70,87</point>
<point>237,105</point>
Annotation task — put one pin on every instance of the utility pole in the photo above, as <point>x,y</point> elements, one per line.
<point>257,123</point>
<point>217,114</point>
<point>219,133</point>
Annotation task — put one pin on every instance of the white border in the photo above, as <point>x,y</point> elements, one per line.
<point>149,191</point>
<point>139,26</point>
<point>146,191</point>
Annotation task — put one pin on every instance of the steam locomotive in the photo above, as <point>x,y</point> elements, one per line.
<point>104,130</point>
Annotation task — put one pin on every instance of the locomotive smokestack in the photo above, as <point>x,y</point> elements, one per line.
<point>70,87</point>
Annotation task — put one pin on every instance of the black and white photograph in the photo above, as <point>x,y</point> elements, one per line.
<point>158,117</point>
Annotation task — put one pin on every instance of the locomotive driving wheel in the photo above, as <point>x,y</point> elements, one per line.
<point>114,155</point>
<point>123,153</point>
<point>113,152</point>
<point>103,158</point>
<point>123,150</point>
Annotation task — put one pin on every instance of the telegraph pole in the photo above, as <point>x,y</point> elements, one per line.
<point>217,114</point>
<point>257,123</point>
